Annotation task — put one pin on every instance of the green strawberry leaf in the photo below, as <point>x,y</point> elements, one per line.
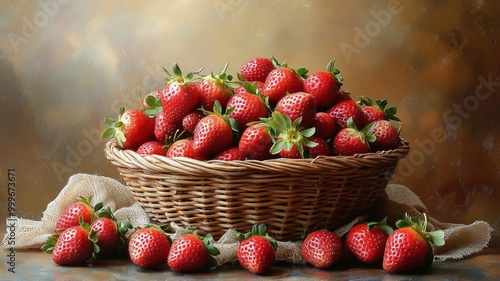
<point>437,237</point>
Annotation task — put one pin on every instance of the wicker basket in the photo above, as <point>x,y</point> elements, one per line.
<point>287,195</point>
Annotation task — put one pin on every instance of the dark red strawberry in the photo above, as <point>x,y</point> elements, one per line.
<point>191,252</point>
<point>74,246</point>
<point>343,95</point>
<point>256,69</point>
<point>247,107</point>
<point>299,104</point>
<point>324,85</point>
<point>152,147</point>
<point>324,124</point>
<point>283,80</point>
<point>256,142</point>
<point>344,110</point>
<point>184,148</point>
<point>375,110</point>
<point>350,140</point>
<point>166,125</point>
<point>322,249</point>
<point>108,235</point>
<point>216,87</point>
<point>366,241</point>
<point>408,248</point>
<point>257,250</point>
<point>132,129</point>
<point>230,154</point>
<point>149,247</point>
<point>322,148</point>
<point>191,119</point>
<point>386,136</point>
<point>73,212</point>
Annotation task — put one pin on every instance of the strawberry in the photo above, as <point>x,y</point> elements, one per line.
<point>408,248</point>
<point>256,142</point>
<point>152,147</point>
<point>132,129</point>
<point>291,140</point>
<point>386,136</point>
<point>366,241</point>
<point>322,249</point>
<point>74,246</point>
<point>184,148</point>
<point>283,80</point>
<point>191,252</point>
<point>149,246</point>
<point>350,140</point>
<point>324,85</point>
<point>256,69</point>
<point>72,213</point>
<point>299,104</point>
<point>377,110</point>
<point>322,148</point>
<point>191,119</point>
<point>216,87</point>
<point>166,125</point>
<point>343,95</point>
<point>230,154</point>
<point>344,110</point>
<point>257,250</point>
<point>214,132</point>
<point>247,107</point>
<point>151,104</point>
<point>324,125</point>
<point>110,232</point>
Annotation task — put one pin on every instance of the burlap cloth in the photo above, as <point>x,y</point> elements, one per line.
<point>461,240</point>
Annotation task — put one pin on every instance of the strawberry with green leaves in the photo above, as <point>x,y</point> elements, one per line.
<point>386,135</point>
<point>299,104</point>
<point>190,253</point>
<point>283,80</point>
<point>375,110</point>
<point>216,87</point>
<point>350,140</point>
<point>344,110</point>
<point>110,232</point>
<point>248,106</point>
<point>82,209</point>
<point>256,142</point>
<point>256,69</point>
<point>149,246</point>
<point>324,85</point>
<point>322,249</point>
<point>257,250</point>
<point>132,128</point>
<point>366,241</point>
<point>74,246</point>
<point>408,248</point>
<point>166,125</point>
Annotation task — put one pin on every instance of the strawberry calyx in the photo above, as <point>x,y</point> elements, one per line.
<point>364,134</point>
<point>218,110</point>
<point>114,128</point>
<point>258,230</point>
<point>330,68</point>
<point>153,103</point>
<point>390,112</point>
<point>286,134</point>
<point>254,90</point>
<point>222,79</point>
<point>381,224</point>
<point>301,71</point>
<point>178,77</point>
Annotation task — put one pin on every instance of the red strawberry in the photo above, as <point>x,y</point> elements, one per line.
<point>73,246</point>
<point>213,133</point>
<point>184,148</point>
<point>386,136</point>
<point>299,104</point>
<point>230,154</point>
<point>283,80</point>
<point>108,236</point>
<point>191,252</point>
<point>343,95</point>
<point>149,247</point>
<point>256,142</point>
<point>71,214</point>
<point>247,107</point>
<point>166,125</point>
<point>350,140</point>
<point>216,88</point>
<point>324,125</point>
<point>152,147</point>
<point>191,119</point>
<point>344,110</point>
<point>324,85</point>
<point>322,249</point>
<point>408,247</point>
<point>132,129</point>
<point>256,69</point>
<point>257,250</point>
<point>377,110</point>
<point>321,149</point>
<point>366,241</point>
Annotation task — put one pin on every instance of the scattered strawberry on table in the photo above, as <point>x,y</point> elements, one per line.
<point>257,250</point>
<point>215,111</point>
<point>322,248</point>
<point>366,241</point>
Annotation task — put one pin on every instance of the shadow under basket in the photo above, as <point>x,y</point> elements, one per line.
<point>287,195</point>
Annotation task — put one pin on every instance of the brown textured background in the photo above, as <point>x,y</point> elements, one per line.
<point>65,65</point>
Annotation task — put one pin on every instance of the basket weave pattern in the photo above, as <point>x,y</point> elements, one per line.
<point>287,195</point>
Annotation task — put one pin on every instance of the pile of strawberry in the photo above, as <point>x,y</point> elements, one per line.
<point>271,111</point>
<point>85,232</point>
